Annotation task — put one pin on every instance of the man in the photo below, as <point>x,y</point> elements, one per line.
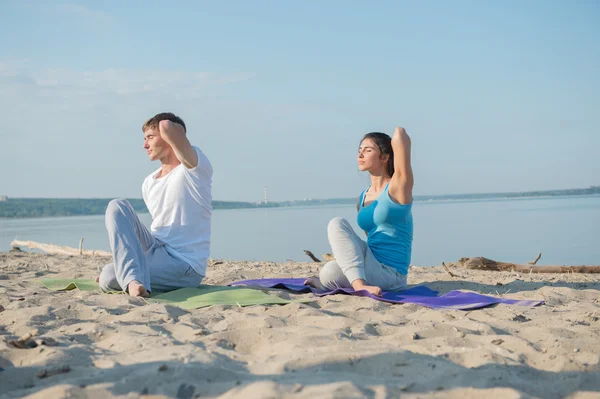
<point>173,254</point>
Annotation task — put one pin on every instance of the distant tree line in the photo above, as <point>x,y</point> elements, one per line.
<point>44,207</point>
<point>547,193</point>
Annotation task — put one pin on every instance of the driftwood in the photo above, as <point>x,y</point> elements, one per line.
<point>326,257</point>
<point>312,256</point>
<point>535,260</point>
<point>448,270</point>
<point>59,250</point>
<point>481,263</point>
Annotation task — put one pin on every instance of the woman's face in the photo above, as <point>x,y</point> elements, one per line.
<point>369,157</point>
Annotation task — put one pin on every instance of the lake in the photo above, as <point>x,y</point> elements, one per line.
<point>565,229</point>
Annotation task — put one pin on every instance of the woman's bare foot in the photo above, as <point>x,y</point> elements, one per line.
<point>314,282</point>
<point>373,289</point>
<point>359,285</point>
<point>135,288</point>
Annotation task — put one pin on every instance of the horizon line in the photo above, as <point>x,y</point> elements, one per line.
<point>331,198</point>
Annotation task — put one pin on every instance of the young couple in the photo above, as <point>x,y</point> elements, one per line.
<point>174,252</point>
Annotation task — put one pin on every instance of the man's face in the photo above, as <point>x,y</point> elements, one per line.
<point>155,146</point>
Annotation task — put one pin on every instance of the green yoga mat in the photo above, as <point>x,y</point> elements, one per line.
<point>66,284</point>
<point>186,298</point>
<point>207,295</point>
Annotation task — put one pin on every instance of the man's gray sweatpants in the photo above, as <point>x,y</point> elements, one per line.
<point>354,260</point>
<point>137,255</point>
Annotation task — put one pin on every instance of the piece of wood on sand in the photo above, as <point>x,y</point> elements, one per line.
<point>326,257</point>
<point>58,250</point>
<point>312,256</point>
<point>448,270</point>
<point>481,263</point>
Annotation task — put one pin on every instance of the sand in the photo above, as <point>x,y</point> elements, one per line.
<point>103,346</point>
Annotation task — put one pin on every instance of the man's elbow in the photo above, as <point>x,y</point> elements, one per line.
<point>165,124</point>
<point>171,129</point>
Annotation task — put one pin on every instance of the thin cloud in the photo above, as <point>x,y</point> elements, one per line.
<point>117,81</point>
<point>88,16</point>
<point>79,11</point>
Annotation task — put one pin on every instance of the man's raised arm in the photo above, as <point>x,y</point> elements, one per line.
<point>402,181</point>
<point>174,134</point>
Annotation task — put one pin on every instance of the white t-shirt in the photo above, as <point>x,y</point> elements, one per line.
<point>181,206</point>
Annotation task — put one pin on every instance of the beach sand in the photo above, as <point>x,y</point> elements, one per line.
<point>335,347</point>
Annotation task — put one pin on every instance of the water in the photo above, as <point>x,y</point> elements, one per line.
<point>566,230</point>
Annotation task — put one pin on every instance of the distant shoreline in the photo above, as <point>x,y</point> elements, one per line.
<point>26,208</point>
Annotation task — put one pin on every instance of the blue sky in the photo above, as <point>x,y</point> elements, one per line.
<point>497,96</point>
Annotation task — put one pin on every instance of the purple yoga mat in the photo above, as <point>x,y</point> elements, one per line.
<point>420,295</point>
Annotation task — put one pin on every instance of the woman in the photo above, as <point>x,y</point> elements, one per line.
<point>384,213</point>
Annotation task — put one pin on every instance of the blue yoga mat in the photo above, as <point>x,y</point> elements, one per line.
<point>419,295</point>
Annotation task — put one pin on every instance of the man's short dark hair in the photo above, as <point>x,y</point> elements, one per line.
<point>153,122</point>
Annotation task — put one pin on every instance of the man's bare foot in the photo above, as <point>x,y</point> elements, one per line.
<point>135,288</point>
<point>97,279</point>
<point>314,282</point>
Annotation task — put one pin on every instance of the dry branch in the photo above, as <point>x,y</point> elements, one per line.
<point>312,256</point>
<point>58,250</point>
<point>535,260</point>
<point>448,270</point>
<point>328,257</point>
<point>481,263</point>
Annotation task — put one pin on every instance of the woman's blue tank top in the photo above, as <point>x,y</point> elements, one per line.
<point>389,228</point>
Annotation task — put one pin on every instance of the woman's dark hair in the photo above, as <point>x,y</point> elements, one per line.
<point>384,143</point>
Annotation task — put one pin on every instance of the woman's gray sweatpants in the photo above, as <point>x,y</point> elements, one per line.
<point>354,260</point>
<point>137,255</point>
